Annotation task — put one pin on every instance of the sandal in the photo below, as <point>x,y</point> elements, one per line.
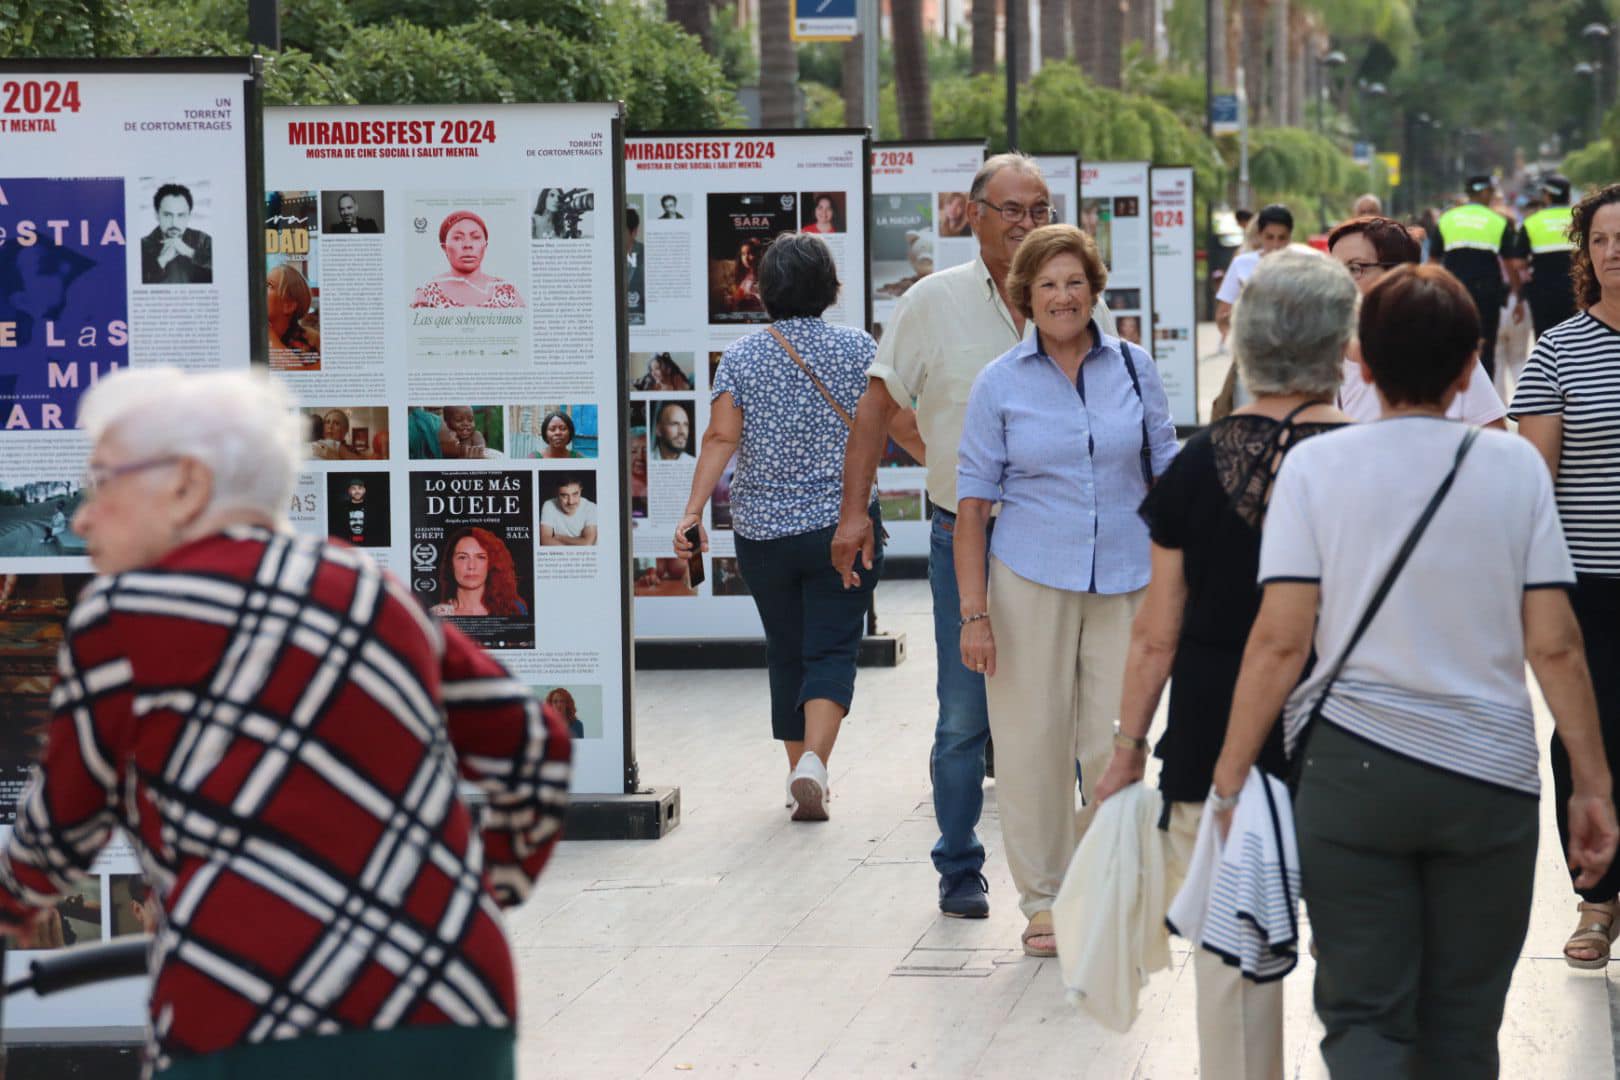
<point>1040,926</point>
<point>1594,935</point>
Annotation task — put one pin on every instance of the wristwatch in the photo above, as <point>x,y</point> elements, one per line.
<point>1128,742</point>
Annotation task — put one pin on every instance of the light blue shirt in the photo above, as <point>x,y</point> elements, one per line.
<point>1064,460</point>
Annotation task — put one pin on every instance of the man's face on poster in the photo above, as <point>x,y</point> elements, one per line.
<point>568,497</point>
<point>174,215</point>
<point>346,209</point>
<point>668,203</point>
<point>674,429</point>
<point>357,493</point>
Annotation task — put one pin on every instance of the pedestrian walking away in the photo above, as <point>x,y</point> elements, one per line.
<point>1066,431</point>
<point>1568,406</point>
<point>1416,813</point>
<point>1476,244</point>
<point>1543,246</point>
<point>782,403</point>
<point>946,328</point>
<point>1205,515</point>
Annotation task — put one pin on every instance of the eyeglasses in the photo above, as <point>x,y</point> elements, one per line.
<point>1357,269</point>
<point>99,476</point>
<point>1012,213</point>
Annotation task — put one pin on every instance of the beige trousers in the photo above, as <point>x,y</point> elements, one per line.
<point>1240,1022</point>
<point>1060,664</point>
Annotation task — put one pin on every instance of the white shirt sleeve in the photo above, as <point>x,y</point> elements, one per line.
<point>1288,548</point>
<point>1479,403</point>
<point>1547,560</point>
<point>1232,282</point>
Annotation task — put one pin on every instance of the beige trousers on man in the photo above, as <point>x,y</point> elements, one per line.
<point>1240,1022</point>
<point>1060,663</point>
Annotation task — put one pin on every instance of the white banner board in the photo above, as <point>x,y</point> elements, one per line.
<point>453,340</point>
<point>1175,299</point>
<point>1062,173</point>
<point>125,233</point>
<point>1114,210</point>
<point>701,209</point>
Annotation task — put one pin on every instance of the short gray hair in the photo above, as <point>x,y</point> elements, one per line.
<point>240,424</point>
<point>1012,159</point>
<point>1292,323</point>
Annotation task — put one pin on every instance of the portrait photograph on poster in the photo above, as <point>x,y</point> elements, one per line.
<point>557,432</point>
<point>668,576</point>
<point>346,432</point>
<point>63,297</point>
<point>673,207</point>
<point>292,281</point>
<point>902,242</point>
<point>1130,328</point>
<point>563,214</point>
<point>33,612</point>
<point>822,212</point>
<point>358,508</point>
<point>472,553</point>
<point>953,214</point>
<point>674,430</point>
<point>579,705</point>
<point>36,517</point>
<point>470,278</point>
<point>76,920</point>
<point>178,250</point>
<point>456,432</point>
<point>637,454</point>
<point>741,227</point>
<point>568,508</point>
<point>727,578</point>
<point>134,905</point>
<point>635,260</point>
<point>1096,221</point>
<point>352,212</point>
<point>1123,299</point>
<point>666,371</point>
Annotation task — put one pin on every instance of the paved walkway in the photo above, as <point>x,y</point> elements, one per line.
<point>745,945</point>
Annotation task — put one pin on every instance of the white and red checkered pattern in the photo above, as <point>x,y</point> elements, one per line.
<point>279,728</point>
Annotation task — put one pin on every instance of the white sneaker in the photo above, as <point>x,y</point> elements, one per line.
<point>808,786</point>
<point>788,787</point>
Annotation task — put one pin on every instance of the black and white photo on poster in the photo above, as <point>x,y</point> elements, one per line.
<point>179,249</point>
<point>347,212</point>
<point>563,213</point>
<point>741,227</point>
<point>472,552</point>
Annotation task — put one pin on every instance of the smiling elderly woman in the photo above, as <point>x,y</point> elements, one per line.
<point>1067,431</point>
<point>279,728</point>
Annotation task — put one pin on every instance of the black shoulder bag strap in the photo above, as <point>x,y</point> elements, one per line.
<point>1136,384</point>
<point>1378,598</point>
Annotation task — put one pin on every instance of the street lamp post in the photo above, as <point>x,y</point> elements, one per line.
<point>1598,34</point>
<point>1593,71</point>
<point>1329,65</point>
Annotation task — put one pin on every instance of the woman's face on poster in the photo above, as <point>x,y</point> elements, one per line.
<point>470,563</point>
<point>553,201</point>
<point>745,256</point>
<point>824,212</point>
<point>638,455</point>
<point>557,433</point>
<point>336,426</point>
<point>464,246</point>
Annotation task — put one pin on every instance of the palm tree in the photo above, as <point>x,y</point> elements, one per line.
<point>854,83</point>
<point>911,71</point>
<point>1018,12</point>
<point>1220,40</point>
<point>984,37</point>
<point>1085,17</point>
<point>1054,31</point>
<point>1110,43</point>
<point>1281,83</point>
<point>693,17</point>
<point>1252,49</point>
<point>778,65</point>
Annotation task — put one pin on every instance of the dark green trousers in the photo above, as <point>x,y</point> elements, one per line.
<point>419,1053</point>
<point>1418,886</point>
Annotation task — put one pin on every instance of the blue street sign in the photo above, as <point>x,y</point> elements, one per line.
<point>1224,114</point>
<point>825,20</point>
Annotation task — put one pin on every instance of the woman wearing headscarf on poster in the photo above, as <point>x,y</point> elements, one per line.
<point>325,818</point>
<point>465,240</point>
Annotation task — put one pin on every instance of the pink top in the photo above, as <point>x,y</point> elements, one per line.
<point>432,295</point>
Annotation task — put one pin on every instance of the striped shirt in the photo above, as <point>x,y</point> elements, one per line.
<point>1439,675</point>
<point>1574,373</point>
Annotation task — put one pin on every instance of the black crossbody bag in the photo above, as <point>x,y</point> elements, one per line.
<point>1298,764</point>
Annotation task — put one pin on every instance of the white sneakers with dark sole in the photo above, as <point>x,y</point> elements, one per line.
<point>808,788</point>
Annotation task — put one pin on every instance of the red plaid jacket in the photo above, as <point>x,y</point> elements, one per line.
<point>279,729</point>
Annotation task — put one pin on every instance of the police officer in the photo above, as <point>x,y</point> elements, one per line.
<point>1544,243</point>
<point>1476,244</point>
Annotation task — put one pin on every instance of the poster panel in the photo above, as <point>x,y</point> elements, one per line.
<point>1062,173</point>
<point>444,290</point>
<point>125,240</point>
<point>699,211</point>
<point>1175,313</point>
<point>1114,210</point>
<point>919,225</point>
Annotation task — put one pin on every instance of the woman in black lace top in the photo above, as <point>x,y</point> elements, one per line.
<point>1204,514</point>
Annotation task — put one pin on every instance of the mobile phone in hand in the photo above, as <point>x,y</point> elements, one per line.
<point>694,562</point>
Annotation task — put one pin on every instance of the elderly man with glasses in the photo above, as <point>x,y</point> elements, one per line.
<point>947,327</point>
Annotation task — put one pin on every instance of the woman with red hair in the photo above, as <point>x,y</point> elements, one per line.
<point>465,240</point>
<point>478,577</point>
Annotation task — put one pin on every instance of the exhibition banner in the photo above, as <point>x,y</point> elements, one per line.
<point>1114,210</point>
<point>1062,173</point>
<point>699,212</point>
<point>125,239</point>
<point>1175,311</point>
<point>919,225</point>
<point>443,299</point>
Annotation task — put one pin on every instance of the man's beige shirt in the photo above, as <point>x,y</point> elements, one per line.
<point>945,330</point>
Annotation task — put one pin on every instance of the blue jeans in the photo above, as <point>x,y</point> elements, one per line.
<point>964,719</point>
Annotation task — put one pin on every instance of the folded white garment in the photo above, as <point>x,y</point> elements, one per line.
<point>1240,899</point>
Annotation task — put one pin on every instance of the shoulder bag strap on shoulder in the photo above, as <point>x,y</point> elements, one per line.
<point>793,354</point>
<point>1136,384</point>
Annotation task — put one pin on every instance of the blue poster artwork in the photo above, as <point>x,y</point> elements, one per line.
<point>64,302</point>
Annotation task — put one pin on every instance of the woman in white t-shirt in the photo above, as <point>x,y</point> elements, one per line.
<point>1369,247</point>
<point>1416,813</point>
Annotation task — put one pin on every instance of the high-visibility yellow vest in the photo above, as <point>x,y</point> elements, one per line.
<point>1473,227</point>
<point>1549,230</point>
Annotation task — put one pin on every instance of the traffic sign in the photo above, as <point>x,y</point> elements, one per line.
<point>826,20</point>
<point>1392,168</point>
<point>1224,115</point>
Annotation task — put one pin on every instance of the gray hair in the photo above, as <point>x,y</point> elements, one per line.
<point>240,424</point>
<point>1376,204</point>
<point>992,165</point>
<point>1292,323</point>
